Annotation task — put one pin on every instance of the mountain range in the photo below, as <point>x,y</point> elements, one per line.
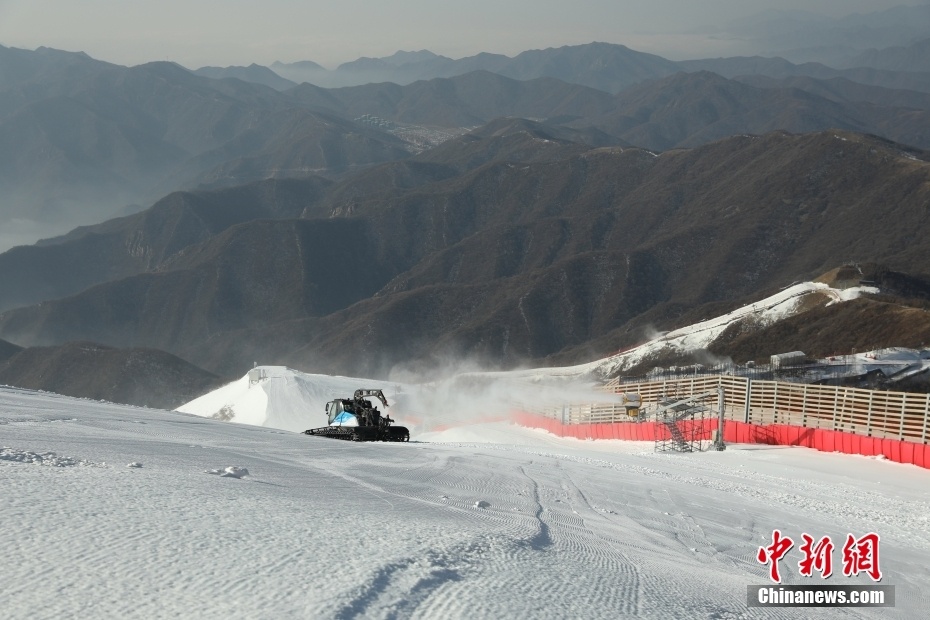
<point>888,40</point>
<point>509,261</point>
<point>83,140</point>
<point>383,227</point>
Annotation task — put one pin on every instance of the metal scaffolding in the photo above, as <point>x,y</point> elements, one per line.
<point>683,419</point>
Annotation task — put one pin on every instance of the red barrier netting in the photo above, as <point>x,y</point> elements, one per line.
<point>823,440</point>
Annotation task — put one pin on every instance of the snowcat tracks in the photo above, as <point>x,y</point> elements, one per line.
<point>398,433</point>
<point>361,433</point>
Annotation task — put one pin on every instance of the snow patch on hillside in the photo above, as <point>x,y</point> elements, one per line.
<point>784,304</point>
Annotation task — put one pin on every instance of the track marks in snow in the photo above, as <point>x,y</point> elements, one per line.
<point>541,519</point>
<point>332,529</point>
<point>396,589</point>
<point>542,539</point>
<point>836,501</point>
<point>567,535</point>
<point>616,545</point>
<point>596,547</point>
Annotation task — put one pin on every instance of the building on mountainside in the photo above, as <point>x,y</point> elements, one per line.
<point>787,359</point>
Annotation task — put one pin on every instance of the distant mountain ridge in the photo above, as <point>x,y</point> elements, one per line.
<point>681,110</point>
<point>465,100</point>
<point>608,67</point>
<point>689,109</point>
<point>804,36</point>
<point>604,66</point>
<point>254,73</point>
<point>814,42</point>
<point>913,57</point>
<point>780,68</point>
<point>141,242</point>
<point>83,140</point>
<point>87,370</point>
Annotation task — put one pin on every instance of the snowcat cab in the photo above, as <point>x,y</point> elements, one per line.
<point>356,419</point>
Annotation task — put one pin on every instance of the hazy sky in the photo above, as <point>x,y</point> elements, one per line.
<point>195,33</point>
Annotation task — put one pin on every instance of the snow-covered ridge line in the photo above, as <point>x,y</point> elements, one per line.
<point>699,336</point>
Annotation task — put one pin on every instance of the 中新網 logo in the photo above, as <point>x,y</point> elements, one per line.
<point>860,555</point>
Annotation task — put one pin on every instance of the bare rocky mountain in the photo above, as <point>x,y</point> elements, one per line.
<point>294,143</point>
<point>844,90</point>
<point>144,241</point>
<point>512,262</point>
<point>81,140</point>
<point>681,110</point>
<point>8,350</point>
<point>519,140</point>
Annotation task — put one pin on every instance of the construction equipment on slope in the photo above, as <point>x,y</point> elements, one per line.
<point>356,419</point>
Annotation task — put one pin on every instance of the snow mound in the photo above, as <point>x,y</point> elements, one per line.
<point>281,398</point>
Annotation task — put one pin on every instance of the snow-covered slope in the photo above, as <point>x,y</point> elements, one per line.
<point>481,521</point>
<point>700,335</point>
<point>786,303</point>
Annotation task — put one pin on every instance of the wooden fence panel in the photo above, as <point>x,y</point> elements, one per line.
<point>872,413</point>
